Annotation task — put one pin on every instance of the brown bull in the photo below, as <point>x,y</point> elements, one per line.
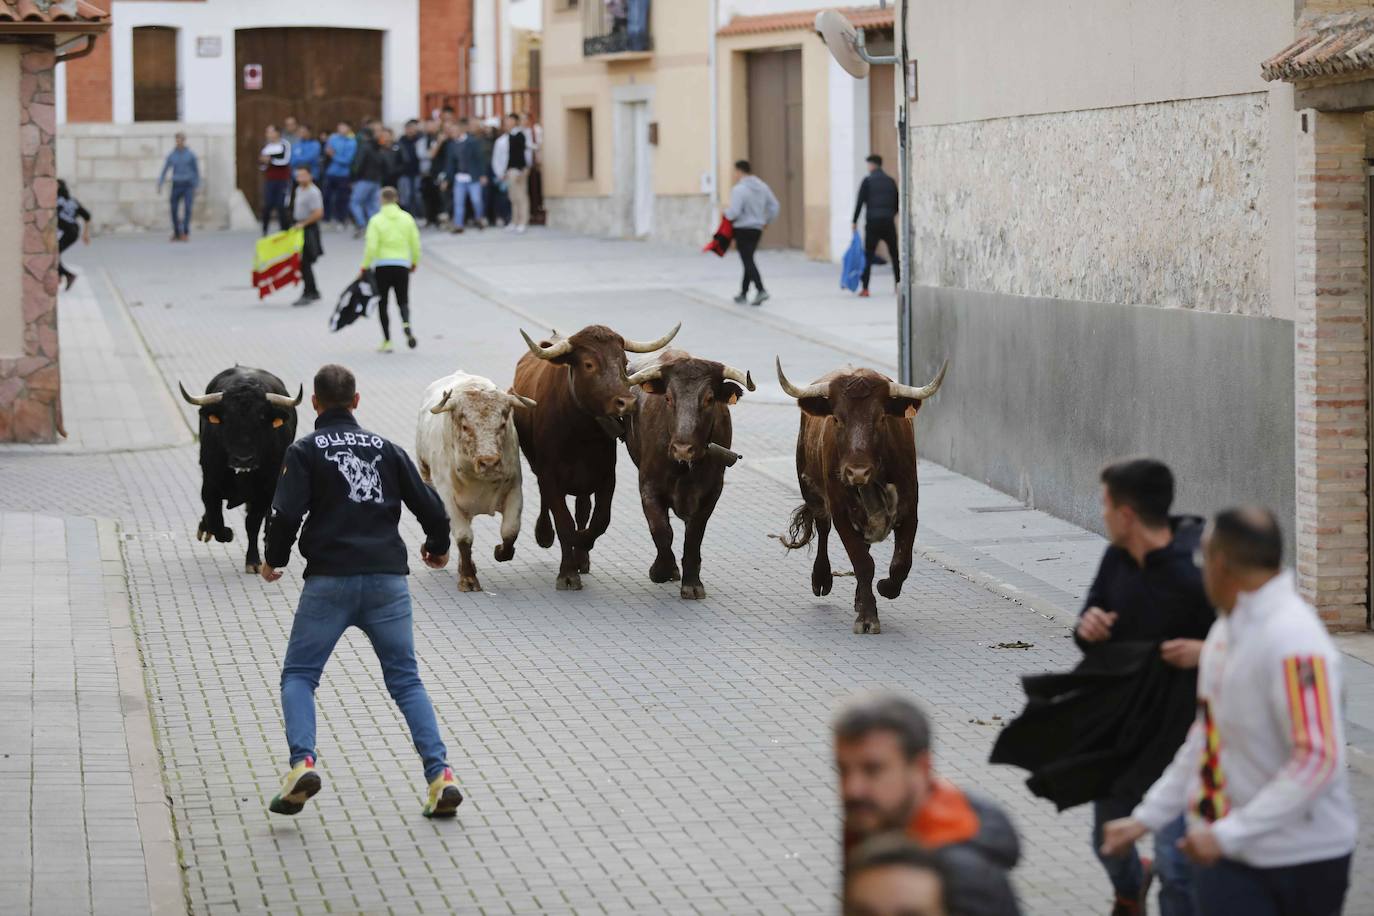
<point>856,463</point>
<point>578,383</point>
<point>683,410</point>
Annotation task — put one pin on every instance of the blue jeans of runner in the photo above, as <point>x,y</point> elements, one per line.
<point>475,194</point>
<point>1174,871</point>
<point>379,605</point>
<point>183,197</point>
<point>336,194</point>
<point>365,202</point>
<point>1310,889</point>
<point>1125,871</point>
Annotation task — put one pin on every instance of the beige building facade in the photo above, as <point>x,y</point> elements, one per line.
<point>1133,239</point>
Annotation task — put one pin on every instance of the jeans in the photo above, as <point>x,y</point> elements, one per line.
<point>183,197</point>
<point>379,605</point>
<point>408,187</point>
<point>474,192</point>
<point>275,193</point>
<point>1126,872</point>
<point>1310,889</point>
<point>881,230</point>
<point>336,191</point>
<point>365,202</point>
<point>747,241</point>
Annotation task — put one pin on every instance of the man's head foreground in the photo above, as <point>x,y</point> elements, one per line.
<point>875,162</point>
<point>882,750</point>
<point>1242,549</point>
<point>335,387</point>
<point>1136,495</point>
<point>390,195</point>
<point>891,876</point>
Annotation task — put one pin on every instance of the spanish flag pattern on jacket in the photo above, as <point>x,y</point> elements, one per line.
<point>277,260</point>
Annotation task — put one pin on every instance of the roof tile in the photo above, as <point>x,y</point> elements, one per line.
<point>863,17</point>
<point>52,11</point>
<point>1329,45</point>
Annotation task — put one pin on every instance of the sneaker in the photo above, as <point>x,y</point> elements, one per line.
<point>306,299</point>
<point>521,230</point>
<point>358,233</point>
<point>741,299</point>
<point>71,278</point>
<point>444,797</point>
<point>385,347</point>
<point>299,786</point>
<point>410,339</point>
<point>761,297</point>
<point>863,294</point>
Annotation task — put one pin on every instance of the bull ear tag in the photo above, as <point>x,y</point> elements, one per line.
<point>213,418</point>
<point>911,410</point>
<point>278,422</point>
<point>734,398</point>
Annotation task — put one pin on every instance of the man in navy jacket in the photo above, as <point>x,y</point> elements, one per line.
<point>351,484</point>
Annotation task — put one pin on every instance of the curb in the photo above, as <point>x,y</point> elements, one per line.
<point>161,860</point>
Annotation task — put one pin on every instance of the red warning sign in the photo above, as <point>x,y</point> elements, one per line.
<point>252,76</point>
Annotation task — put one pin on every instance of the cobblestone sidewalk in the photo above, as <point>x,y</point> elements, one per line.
<point>623,751</point>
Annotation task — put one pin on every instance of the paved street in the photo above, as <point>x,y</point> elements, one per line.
<point>621,750</point>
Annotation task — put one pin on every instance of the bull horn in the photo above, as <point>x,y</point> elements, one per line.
<point>552,351</point>
<point>281,400</point>
<point>204,400</point>
<point>649,373</point>
<point>919,394</point>
<point>744,378</point>
<point>443,406</point>
<point>523,401</point>
<point>811,391</point>
<point>635,346</point>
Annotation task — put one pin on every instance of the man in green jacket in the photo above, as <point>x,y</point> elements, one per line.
<point>392,253</point>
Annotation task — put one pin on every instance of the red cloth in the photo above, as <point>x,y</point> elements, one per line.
<point>720,242</point>
<point>283,273</point>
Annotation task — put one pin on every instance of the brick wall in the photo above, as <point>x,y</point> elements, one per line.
<point>88,81</point>
<point>445,36</point>
<point>30,385</point>
<point>1330,369</point>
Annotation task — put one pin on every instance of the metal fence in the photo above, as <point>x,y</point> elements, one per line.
<point>483,105</point>
<point>615,27</point>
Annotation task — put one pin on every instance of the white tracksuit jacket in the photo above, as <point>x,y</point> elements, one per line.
<point>1265,759</point>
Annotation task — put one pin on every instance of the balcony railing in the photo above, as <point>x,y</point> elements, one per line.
<point>484,105</point>
<point>615,27</point>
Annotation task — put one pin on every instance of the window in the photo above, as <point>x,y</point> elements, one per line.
<point>581,158</point>
<point>155,74</point>
<point>562,6</point>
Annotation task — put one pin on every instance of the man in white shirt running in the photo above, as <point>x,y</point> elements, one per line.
<point>1262,774</point>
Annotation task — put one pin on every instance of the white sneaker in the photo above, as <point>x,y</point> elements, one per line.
<point>521,229</point>
<point>510,227</point>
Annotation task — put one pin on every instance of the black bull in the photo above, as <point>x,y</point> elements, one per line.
<point>683,412</point>
<point>247,420</point>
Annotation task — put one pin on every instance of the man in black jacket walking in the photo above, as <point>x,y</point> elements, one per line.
<point>352,483</point>
<point>878,193</point>
<point>1148,589</point>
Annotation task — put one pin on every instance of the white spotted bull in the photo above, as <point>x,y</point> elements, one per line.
<point>469,452</point>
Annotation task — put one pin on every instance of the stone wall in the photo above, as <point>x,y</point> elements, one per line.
<point>113,170</point>
<point>1160,204</point>
<point>30,385</point>
<point>678,218</point>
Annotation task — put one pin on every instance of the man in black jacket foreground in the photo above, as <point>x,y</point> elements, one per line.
<point>352,483</point>
<point>878,192</point>
<point>1148,589</point>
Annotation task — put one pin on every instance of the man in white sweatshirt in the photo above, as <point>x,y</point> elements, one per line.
<point>1262,774</point>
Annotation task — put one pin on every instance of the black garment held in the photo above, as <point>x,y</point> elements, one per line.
<point>348,485</point>
<point>747,241</point>
<point>393,277</point>
<point>885,231</point>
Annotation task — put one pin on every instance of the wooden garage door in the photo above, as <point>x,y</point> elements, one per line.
<point>318,75</point>
<point>775,139</point>
<point>155,73</point>
<point>882,115</point>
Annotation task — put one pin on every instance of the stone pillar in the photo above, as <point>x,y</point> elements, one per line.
<point>1330,368</point>
<point>30,384</point>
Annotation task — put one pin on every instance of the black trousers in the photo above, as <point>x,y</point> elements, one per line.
<point>881,230</point>
<point>391,278</point>
<point>67,234</point>
<point>309,255</point>
<point>747,241</point>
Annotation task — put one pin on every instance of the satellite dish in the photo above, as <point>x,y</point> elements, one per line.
<point>842,39</point>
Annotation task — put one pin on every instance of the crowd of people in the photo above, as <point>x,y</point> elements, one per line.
<point>449,172</point>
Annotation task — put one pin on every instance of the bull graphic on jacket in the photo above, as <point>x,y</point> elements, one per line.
<point>348,485</point>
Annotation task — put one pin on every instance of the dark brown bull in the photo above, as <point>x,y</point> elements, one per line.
<point>683,410</point>
<point>856,463</point>
<point>578,383</point>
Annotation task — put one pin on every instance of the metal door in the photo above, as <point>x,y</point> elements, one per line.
<point>775,140</point>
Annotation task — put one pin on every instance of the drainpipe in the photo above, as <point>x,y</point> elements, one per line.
<point>714,139</point>
<point>904,301</point>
